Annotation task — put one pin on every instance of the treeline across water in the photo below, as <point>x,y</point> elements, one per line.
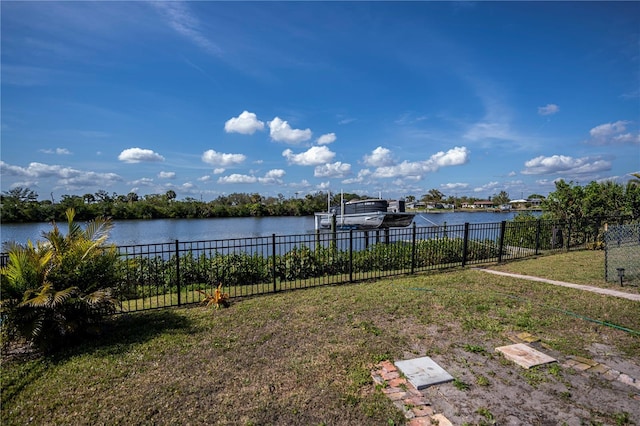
<point>22,205</point>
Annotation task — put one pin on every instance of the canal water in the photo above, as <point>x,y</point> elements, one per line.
<point>129,232</point>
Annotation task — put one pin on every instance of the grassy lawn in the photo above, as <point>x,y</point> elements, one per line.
<point>579,267</point>
<point>304,357</point>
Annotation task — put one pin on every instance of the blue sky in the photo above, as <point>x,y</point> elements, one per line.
<point>391,98</point>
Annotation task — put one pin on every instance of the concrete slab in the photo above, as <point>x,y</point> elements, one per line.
<point>525,356</point>
<point>423,372</point>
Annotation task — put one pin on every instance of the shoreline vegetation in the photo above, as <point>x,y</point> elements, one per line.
<point>597,198</point>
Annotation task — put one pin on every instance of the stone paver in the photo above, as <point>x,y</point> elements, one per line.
<point>406,397</point>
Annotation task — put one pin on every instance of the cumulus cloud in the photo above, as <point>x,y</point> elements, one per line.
<point>281,131</point>
<point>139,155</point>
<point>334,170</point>
<point>219,170</point>
<point>205,178</point>
<point>57,151</point>
<point>326,139</point>
<point>548,109</point>
<point>271,177</point>
<point>362,175</point>
<point>453,186</point>
<point>487,187</point>
<point>237,178</point>
<point>246,123</point>
<point>167,175</point>
<point>454,157</point>
<point>65,176</point>
<point>142,182</point>
<point>314,156</point>
<point>221,159</point>
<point>379,157</point>
<point>613,133</point>
<point>565,164</point>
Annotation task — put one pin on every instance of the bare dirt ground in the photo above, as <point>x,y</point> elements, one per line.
<point>490,389</point>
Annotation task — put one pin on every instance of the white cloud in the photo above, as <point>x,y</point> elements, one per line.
<point>138,155</point>
<point>57,151</point>
<point>167,175</point>
<point>548,109</point>
<point>379,157</point>
<point>453,186</point>
<point>281,131</point>
<point>205,178</point>
<point>362,175</point>
<point>221,159</point>
<point>613,133</point>
<point>66,176</point>
<point>512,174</point>
<point>219,170</point>
<point>272,177</point>
<point>143,182</point>
<point>454,157</point>
<point>333,170</point>
<point>326,139</point>
<point>246,123</point>
<point>237,178</point>
<point>565,164</point>
<point>314,156</point>
<point>487,187</point>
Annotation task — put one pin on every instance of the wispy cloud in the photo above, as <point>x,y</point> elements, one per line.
<point>57,151</point>
<point>185,23</point>
<point>548,109</point>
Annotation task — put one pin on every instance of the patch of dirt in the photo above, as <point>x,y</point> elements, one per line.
<point>490,389</point>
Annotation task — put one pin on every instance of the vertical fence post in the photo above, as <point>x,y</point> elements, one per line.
<point>334,230</point>
<point>569,236</point>
<point>350,255</point>
<point>273,262</point>
<point>413,248</point>
<point>538,224</point>
<point>503,226</point>
<point>178,273</point>
<point>465,244</point>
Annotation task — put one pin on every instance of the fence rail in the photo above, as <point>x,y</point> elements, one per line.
<point>177,273</point>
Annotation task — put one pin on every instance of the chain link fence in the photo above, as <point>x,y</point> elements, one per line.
<point>622,253</point>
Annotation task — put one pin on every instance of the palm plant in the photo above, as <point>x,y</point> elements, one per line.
<point>61,287</point>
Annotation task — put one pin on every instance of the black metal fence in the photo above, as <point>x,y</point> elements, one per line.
<point>179,273</point>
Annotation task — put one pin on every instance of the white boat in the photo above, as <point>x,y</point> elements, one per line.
<point>366,214</point>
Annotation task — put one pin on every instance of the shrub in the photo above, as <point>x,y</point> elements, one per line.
<point>59,288</point>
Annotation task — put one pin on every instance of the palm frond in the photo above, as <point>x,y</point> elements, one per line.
<point>98,230</point>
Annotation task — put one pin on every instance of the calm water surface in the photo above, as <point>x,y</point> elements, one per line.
<point>126,232</point>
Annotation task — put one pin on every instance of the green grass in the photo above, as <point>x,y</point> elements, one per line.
<point>579,267</point>
<point>299,357</point>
